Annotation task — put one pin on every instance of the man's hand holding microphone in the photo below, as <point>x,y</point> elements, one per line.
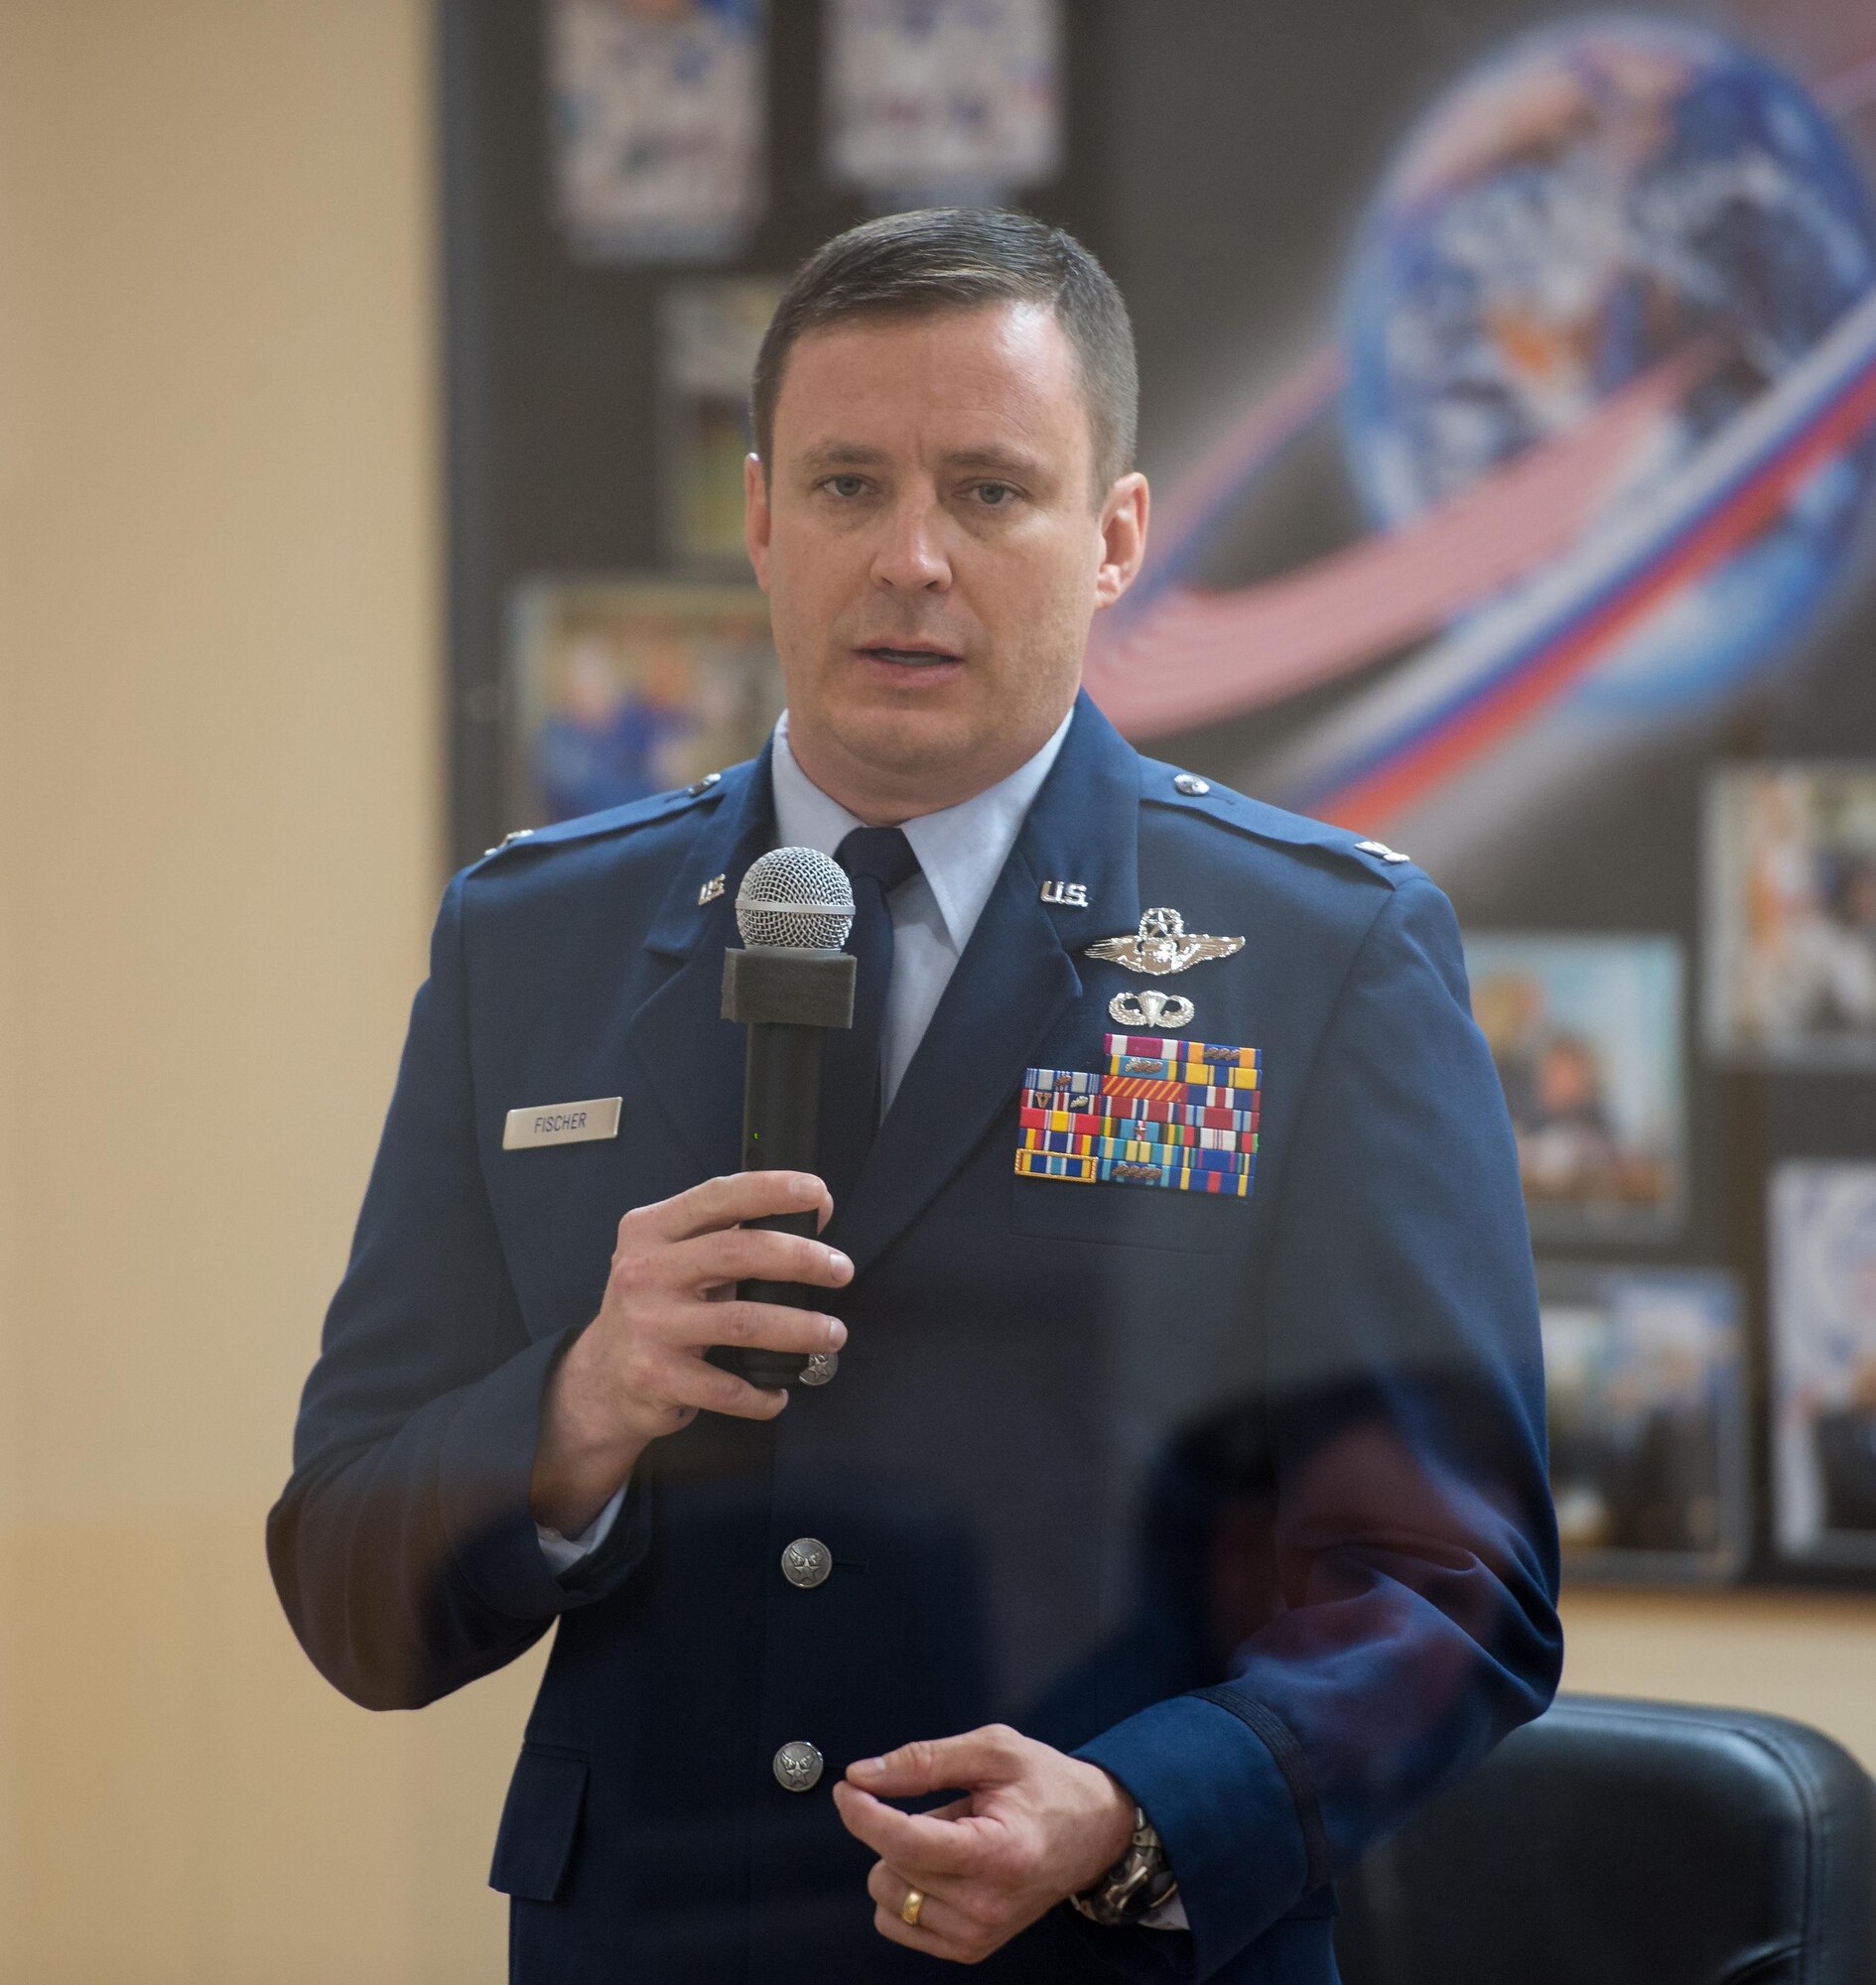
<point>640,1369</point>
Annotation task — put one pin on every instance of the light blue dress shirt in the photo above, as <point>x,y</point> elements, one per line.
<point>961,852</point>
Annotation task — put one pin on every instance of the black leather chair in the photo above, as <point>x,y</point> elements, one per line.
<point>1630,1843</point>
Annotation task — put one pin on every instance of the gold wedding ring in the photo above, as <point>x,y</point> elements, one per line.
<point>909,1908</point>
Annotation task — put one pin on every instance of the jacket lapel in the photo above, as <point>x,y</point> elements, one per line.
<point>1016,980</point>
<point>689,1056</point>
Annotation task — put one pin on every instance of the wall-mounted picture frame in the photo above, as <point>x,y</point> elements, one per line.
<point>1645,1390</point>
<point>1790,893</point>
<point>710,331</point>
<point>934,104</point>
<point>1822,1233</point>
<point>618,688</point>
<point>1586,1033</point>
<point>658,126</point>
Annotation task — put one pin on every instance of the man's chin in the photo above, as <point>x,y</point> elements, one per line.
<point>899,740</point>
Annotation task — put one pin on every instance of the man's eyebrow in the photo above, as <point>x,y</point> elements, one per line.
<point>990,461</point>
<point>842,454</point>
<point>1010,461</point>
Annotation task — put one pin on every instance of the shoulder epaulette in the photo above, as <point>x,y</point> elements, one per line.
<point>612,820</point>
<point>1169,785</point>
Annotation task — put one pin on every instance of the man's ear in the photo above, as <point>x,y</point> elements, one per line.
<point>756,517</point>
<point>1122,537</point>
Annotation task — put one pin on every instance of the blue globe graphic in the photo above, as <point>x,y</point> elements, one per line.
<point>1575,209</point>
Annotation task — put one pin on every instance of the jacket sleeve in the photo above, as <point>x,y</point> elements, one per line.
<point>402,1547</point>
<point>1414,1622</point>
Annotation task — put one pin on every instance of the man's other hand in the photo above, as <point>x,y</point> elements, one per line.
<point>1035,1827</point>
<point>638,1371</point>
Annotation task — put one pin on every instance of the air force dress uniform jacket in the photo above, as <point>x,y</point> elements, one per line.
<point>1241,1498</point>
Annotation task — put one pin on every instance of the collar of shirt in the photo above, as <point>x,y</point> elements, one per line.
<point>961,848</point>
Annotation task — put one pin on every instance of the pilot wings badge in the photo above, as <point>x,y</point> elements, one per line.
<point>1161,945</point>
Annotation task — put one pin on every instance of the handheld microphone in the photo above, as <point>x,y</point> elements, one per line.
<point>788,984</point>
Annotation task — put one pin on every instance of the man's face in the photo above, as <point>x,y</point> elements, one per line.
<point>932,550</point>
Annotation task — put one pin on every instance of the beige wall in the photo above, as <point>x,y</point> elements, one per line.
<point>220,793</point>
<point>1810,1656</point>
<point>219,784</point>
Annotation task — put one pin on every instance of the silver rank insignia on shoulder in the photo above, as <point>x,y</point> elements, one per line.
<point>1161,945</point>
<point>1381,848</point>
<point>709,891</point>
<point>1070,895</point>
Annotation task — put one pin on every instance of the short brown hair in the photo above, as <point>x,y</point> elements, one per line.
<point>959,258</point>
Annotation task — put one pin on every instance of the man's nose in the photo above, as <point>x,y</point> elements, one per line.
<point>912,555</point>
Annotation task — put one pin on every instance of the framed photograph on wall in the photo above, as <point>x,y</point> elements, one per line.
<point>1824,1361</point>
<point>937,104</point>
<point>1791,914</point>
<point>656,126</point>
<point>1644,1374</point>
<point>1586,1035</point>
<point>620,687</point>
<point>709,333</point>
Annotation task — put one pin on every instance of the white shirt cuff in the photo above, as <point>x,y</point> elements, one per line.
<point>1171,1914</point>
<point>563,1554</point>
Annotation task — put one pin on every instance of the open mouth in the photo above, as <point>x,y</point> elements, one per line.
<point>911,658</point>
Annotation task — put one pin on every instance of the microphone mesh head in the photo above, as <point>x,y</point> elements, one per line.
<point>795,896</point>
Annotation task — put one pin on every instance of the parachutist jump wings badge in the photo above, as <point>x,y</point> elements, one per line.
<point>1161,945</point>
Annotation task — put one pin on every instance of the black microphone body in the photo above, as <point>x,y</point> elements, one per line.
<point>787,997</point>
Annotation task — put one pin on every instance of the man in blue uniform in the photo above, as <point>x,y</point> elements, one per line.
<point>1162,1514</point>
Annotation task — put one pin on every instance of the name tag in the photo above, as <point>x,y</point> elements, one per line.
<point>561,1123</point>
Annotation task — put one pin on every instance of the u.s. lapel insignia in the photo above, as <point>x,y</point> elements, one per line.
<point>1161,945</point>
<point>711,890</point>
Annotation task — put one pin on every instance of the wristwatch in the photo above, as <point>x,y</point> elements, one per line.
<point>1137,1883</point>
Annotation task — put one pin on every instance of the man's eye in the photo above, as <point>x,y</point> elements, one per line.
<point>845,485</point>
<point>994,494</point>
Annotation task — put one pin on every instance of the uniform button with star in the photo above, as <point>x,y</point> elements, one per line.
<point>806,1563</point>
<point>798,1767</point>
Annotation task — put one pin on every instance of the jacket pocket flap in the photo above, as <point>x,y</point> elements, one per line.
<point>538,1824</point>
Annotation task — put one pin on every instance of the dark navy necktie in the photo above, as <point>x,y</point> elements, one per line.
<point>876,859</point>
